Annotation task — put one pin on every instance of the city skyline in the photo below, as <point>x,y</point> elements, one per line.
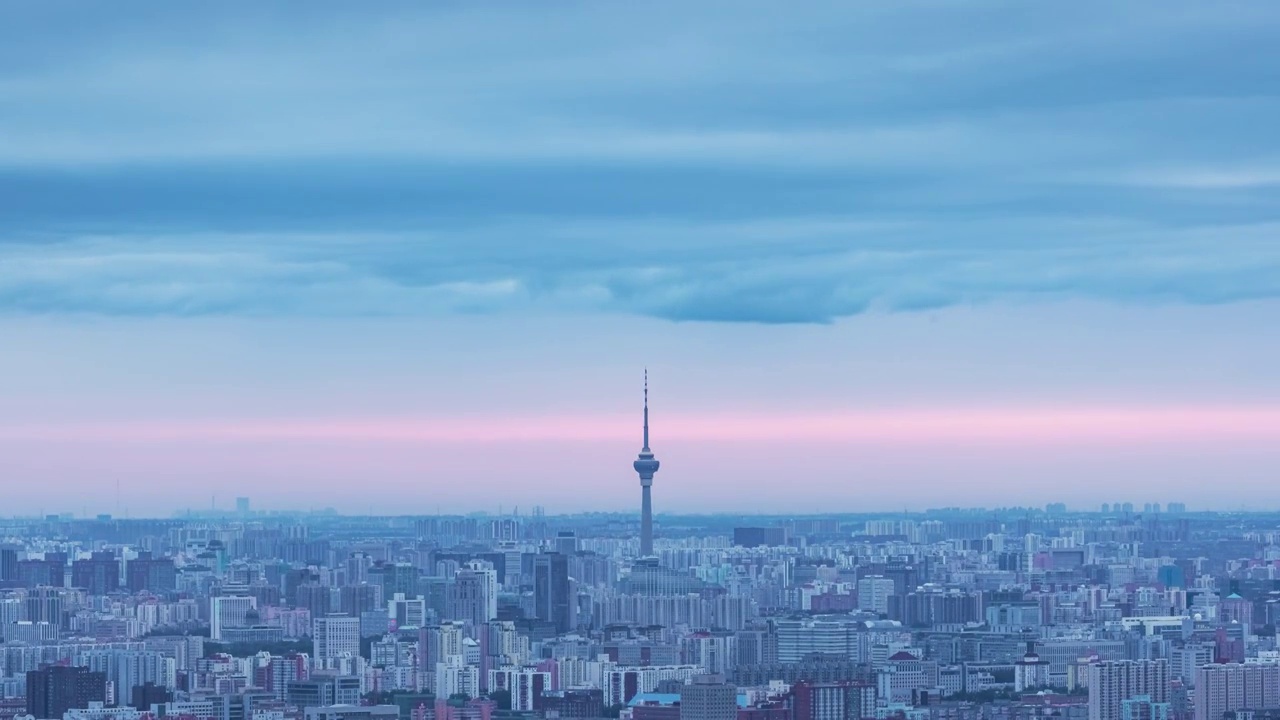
<point>335,337</point>
<point>905,256</point>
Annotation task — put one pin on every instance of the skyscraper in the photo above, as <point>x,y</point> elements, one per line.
<point>552,592</point>
<point>9,563</point>
<point>472,596</point>
<point>645,466</point>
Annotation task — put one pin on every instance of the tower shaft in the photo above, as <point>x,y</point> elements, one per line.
<point>646,521</point>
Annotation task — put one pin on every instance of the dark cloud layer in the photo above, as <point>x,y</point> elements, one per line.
<point>762,165</point>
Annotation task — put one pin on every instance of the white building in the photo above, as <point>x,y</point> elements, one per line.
<point>874,592</point>
<point>455,677</point>
<point>229,612</point>
<point>334,636</point>
<point>31,633</point>
<point>902,673</point>
<point>407,612</point>
<point>96,711</point>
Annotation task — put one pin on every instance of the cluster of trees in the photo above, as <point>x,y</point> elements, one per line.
<point>993,694</point>
<point>301,645</point>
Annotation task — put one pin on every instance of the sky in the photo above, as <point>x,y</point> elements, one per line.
<point>415,257</point>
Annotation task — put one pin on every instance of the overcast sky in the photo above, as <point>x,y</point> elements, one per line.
<point>417,255</point>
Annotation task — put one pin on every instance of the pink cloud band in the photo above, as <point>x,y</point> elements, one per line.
<point>1075,424</point>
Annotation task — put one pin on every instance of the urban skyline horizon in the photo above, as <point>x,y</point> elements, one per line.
<point>223,512</point>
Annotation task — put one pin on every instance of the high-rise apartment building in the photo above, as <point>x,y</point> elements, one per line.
<point>439,643</point>
<point>98,575</point>
<point>1111,683</point>
<point>50,572</point>
<point>456,677</point>
<point>356,599</point>
<point>152,574</point>
<point>1230,687</point>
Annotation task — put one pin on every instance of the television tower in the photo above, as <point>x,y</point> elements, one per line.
<point>645,466</point>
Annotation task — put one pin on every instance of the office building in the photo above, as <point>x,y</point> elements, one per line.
<point>708,697</point>
<point>335,636</point>
<point>845,700</point>
<point>552,593</point>
<point>30,633</point>
<point>229,611</point>
<point>55,689</point>
<point>142,697</point>
<point>874,593</point>
<point>403,612</point>
<point>323,690</point>
<point>9,564</point>
<point>760,536</point>
<point>473,595</point>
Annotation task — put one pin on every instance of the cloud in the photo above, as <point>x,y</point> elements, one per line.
<point>704,271</point>
<point>738,163</point>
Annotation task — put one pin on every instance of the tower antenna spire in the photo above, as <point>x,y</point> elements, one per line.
<point>646,409</point>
